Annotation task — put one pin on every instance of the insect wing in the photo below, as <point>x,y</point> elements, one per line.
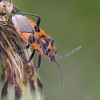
<point>21,24</point>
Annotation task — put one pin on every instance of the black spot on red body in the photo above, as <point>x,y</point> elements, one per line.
<point>43,35</point>
<point>38,42</point>
<point>31,39</point>
<point>49,50</point>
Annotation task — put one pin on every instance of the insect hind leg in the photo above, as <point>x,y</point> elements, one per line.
<point>39,62</point>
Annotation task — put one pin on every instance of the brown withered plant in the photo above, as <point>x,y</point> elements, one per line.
<point>18,81</point>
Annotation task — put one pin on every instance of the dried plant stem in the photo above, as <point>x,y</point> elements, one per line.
<point>18,81</point>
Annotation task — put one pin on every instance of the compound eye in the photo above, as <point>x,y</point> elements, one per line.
<point>37,28</point>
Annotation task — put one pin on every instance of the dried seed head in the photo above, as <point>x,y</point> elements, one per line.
<point>17,72</point>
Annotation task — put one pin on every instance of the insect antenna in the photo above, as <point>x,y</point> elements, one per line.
<point>76,49</point>
<point>62,80</point>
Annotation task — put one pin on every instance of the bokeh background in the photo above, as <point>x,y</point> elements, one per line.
<point>71,23</point>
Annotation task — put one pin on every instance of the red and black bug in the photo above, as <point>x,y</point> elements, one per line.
<point>31,33</point>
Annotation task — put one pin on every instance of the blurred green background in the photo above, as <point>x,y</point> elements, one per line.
<point>71,23</point>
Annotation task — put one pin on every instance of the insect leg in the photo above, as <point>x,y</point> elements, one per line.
<point>39,61</point>
<point>16,9</point>
<point>31,56</point>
